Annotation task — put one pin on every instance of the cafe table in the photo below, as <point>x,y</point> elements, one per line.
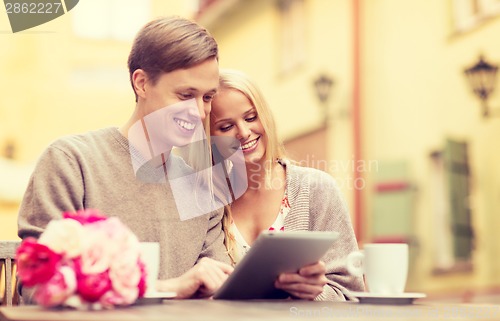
<point>216,310</point>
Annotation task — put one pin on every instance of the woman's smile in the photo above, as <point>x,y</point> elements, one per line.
<point>250,146</point>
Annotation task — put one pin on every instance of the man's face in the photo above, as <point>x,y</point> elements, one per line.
<point>173,108</point>
<point>199,82</point>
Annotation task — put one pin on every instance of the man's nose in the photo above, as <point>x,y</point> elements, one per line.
<point>203,108</point>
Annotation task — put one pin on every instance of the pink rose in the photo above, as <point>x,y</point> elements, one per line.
<point>59,288</point>
<point>86,216</point>
<point>111,299</point>
<point>97,254</point>
<point>126,274</point>
<point>92,286</point>
<point>36,263</point>
<point>111,240</point>
<point>142,281</point>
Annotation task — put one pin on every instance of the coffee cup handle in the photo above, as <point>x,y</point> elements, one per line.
<point>354,263</point>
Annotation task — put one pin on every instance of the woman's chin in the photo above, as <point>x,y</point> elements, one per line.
<point>253,160</point>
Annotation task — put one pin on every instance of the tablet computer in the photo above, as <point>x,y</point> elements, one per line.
<point>273,253</point>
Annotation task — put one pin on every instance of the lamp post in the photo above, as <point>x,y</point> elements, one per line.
<point>482,78</point>
<point>323,85</point>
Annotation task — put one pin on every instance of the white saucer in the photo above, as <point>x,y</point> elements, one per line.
<point>377,298</point>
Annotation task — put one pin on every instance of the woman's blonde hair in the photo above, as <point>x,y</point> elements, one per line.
<point>237,80</point>
<point>230,79</point>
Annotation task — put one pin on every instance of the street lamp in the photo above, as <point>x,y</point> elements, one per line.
<point>482,79</point>
<point>323,85</point>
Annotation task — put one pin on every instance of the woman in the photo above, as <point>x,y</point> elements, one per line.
<point>280,195</point>
<point>174,72</point>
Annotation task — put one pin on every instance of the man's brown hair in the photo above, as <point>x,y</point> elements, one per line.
<point>170,43</point>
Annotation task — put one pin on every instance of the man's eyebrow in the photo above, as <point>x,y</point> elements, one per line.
<point>213,90</point>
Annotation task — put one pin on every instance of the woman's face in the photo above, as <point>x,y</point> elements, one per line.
<point>174,107</point>
<point>233,115</point>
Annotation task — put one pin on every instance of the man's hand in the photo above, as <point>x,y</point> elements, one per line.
<point>306,284</point>
<point>201,281</point>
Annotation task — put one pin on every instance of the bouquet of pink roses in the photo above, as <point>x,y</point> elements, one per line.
<point>83,259</point>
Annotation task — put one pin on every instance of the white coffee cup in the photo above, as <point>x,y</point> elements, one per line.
<point>385,266</point>
<point>150,255</point>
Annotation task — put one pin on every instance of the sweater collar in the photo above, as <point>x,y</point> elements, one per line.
<point>298,197</point>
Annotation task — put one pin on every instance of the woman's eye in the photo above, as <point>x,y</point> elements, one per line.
<point>251,119</point>
<point>225,128</point>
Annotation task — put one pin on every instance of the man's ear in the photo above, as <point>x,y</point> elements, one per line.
<point>139,79</point>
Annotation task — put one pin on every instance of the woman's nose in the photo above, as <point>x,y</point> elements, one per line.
<point>243,132</point>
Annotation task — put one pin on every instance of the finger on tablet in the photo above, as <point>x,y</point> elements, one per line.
<point>313,269</point>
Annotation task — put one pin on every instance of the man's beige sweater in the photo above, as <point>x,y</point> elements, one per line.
<point>94,170</point>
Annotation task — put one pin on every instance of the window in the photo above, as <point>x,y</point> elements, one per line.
<point>454,234</point>
<point>110,19</point>
<point>292,34</point>
<point>469,13</point>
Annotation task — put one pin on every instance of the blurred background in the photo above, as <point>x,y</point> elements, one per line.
<point>396,99</point>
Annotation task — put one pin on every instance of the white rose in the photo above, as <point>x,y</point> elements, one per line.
<point>64,237</point>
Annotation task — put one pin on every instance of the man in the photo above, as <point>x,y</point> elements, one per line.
<point>172,60</point>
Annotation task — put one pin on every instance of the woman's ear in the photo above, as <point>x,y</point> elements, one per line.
<point>139,79</point>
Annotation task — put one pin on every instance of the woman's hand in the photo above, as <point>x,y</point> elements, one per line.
<point>307,284</point>
<point>201,281</point>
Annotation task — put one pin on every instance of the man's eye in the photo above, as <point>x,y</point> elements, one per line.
<point>208,98</point>
<point>186,96</point>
